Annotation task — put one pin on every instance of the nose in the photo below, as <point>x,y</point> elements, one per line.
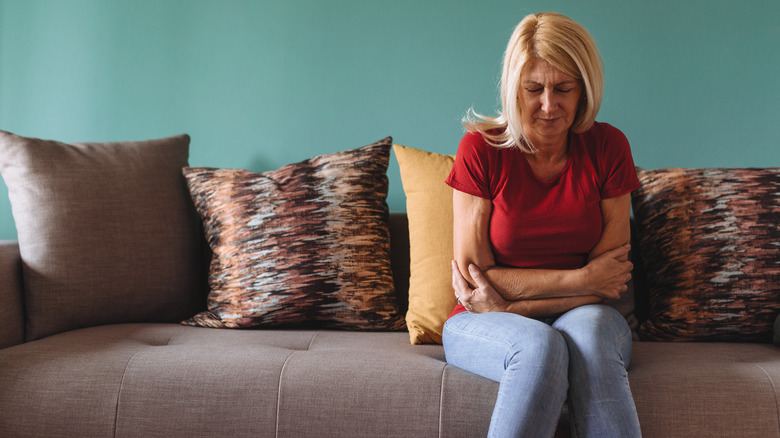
<point>548,101</point>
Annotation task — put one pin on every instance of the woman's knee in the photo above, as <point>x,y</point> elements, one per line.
<point>596,329</point>
<point>504,340</point>
<point>597,320</point>
<point>544,348</point>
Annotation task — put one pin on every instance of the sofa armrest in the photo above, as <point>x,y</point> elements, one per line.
<point>11,295</point>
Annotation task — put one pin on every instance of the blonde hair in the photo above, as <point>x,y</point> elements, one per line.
<point>567,46</point>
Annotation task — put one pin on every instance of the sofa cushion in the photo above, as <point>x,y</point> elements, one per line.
<point>709,240</point>
<point>107,232</point>
<point>706,389</point>
<point>429,209</point>
<point>141,380</point>
<point>306,245</point>
<point>170,380</point>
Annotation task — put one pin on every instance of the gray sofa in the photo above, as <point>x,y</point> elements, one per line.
<point>110,259</point>
<point>165,379</point>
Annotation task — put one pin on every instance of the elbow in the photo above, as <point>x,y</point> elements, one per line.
<point>464,262</point>
<point>463,267</point>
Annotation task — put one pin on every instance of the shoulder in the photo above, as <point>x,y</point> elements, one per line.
<point>604,139</point>
<point>485,142</point>
<point>473,144</point>
<point>473,138</point>
<point>605,151</point>
<point>604,132</point>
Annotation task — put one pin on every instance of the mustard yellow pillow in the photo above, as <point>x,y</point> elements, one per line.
<point>429,209</point>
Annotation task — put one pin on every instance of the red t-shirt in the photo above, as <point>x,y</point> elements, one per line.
<point>545,224</point>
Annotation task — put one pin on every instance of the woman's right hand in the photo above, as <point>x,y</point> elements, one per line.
<point>481,299</point>
<point>606,275</point>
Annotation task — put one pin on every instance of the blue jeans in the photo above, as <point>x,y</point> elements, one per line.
<point>583,355</point>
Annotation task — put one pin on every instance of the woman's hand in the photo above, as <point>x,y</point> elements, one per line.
<point>606,275</point>
<point>480,300</point>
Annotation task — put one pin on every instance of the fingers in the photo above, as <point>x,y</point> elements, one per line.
<point>477,276</point>
<point>459,284</point>
<point>620,251</point>
<point>620,255</point>
<point>478,296</point>
<point>621,289</point>
<point>464,293</point>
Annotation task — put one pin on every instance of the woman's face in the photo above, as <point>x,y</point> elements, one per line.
<point>548,103</point>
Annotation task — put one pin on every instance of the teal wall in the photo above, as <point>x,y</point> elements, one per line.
<point>258,84</point>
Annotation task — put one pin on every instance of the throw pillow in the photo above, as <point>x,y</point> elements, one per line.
<point>106,231</point>
<point>429,209</point>
<point>711,245</point>
<point>306,245</point>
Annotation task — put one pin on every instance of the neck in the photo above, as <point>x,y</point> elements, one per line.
<point>550,151</point>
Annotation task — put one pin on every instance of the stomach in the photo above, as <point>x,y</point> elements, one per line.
<point>559,236</point>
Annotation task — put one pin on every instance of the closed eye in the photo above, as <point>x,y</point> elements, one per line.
<point>559,90</point>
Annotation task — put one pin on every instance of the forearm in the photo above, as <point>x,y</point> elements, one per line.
<point>604,275</point>
<point>529,284</point>
<point>550,306</point>
<point>485,298</point>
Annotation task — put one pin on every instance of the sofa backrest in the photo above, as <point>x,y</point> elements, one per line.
<point>399,253</point>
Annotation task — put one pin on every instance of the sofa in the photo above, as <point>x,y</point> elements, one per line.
<point>97,352</point>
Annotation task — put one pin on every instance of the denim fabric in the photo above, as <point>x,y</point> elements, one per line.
<point>583,355</point>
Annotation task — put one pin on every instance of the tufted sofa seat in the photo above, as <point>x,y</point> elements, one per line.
<point>170,380</point>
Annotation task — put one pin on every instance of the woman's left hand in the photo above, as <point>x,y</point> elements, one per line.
<point>480,300</point>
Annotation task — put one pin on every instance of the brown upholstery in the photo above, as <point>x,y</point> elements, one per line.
<point>171,380</point>
<point>11,299</point>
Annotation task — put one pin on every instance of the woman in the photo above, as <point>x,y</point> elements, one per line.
<point>541,239</point>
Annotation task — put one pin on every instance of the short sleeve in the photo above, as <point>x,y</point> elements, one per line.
<point>619,172</point>
<point>471,168</point>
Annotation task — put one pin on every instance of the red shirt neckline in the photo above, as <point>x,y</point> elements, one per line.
<point>554,179</point>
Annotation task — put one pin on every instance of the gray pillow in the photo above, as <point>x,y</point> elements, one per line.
<point>107,232</point>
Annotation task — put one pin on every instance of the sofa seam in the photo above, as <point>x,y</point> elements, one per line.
<point>119,391</point>
<point>279,394</point>
<point>441,400</point>
<point>774,391</point>
<point>311,342</point>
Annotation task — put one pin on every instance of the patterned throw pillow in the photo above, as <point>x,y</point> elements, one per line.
<point>306,245</point>
<point>711,245</point>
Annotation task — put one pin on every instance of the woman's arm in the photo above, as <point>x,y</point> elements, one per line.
<point>604,276</point>
<point>616,225</point>
<point>484,298</point>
